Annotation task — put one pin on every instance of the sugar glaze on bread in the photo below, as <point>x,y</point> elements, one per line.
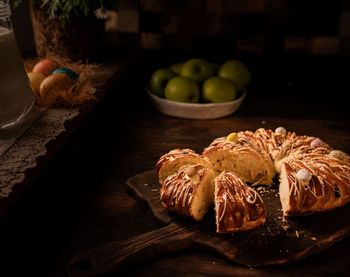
<point>238,207</point>
<point>313,177</point>
<point>189,191</point>
<point>170,162</point>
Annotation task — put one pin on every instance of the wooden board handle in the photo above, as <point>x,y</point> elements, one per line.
<point>108,258</point>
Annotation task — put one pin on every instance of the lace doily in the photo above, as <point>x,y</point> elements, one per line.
<point>19,153</point>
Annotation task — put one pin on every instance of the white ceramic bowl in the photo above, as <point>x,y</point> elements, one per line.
<point>195,110</point>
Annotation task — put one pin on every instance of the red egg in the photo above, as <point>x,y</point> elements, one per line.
<point>46,67</point>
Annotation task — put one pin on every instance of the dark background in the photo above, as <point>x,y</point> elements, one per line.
<point>242,26</point>
<point>298,54</point>
<point>297,51</point>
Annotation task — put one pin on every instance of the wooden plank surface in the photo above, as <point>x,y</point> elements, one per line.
<point>279,241</point>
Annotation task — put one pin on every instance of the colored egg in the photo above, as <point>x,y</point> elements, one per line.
<point>338,154</point>
<point>46,66</point>
<point>36,78</point>
<point>67,71</point>
<point>281,130</point>
<point>233,137</point>
<point>316,143</point>
<point>304,175</point>
<point>55,83</point>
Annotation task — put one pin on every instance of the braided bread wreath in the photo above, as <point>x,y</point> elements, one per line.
<point>313,177</point>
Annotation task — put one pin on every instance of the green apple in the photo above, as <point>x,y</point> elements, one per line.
<point>182,89</point>
<point>176,68</point>
<point>217,90</point>
<point>197,70</point>
<point>237,72</point>
<point>159,80</point>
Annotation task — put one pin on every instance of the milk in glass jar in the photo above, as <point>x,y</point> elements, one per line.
<point>16,96</point>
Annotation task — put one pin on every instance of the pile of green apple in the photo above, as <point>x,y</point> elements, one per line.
<point>197,80</point>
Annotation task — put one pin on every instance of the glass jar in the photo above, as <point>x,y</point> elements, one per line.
<point>16,96</point>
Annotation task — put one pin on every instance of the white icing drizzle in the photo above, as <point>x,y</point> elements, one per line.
<point>294,188</point>
<point>231,188</point>
<point>322,181</point>
<point>224,209</point>
<point>222,144</point>
<point>329,170</point>
<point>177,190</point>
<point>174,155</point>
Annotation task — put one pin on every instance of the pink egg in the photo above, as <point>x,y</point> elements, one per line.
<point>55,83</point>
<point>316,143</point>
<point>46,66</point>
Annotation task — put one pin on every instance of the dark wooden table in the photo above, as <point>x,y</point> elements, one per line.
<point>79,200</point>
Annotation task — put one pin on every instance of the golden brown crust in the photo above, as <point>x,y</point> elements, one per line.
<point>300,196</point>
<point>179,190</point>
<point>296,145</point>
<point>172,155</point>
<point>257,141</point>
<point>238,206</point>
<point>173,160</point>
<point>222,144</point>
<point>244,157</point>
<point>314,177</point>
<point>329,187</point>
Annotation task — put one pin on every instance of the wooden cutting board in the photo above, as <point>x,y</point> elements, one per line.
<point>279,241</point>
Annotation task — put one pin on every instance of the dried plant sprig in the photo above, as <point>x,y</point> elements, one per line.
<point>64,10</point>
